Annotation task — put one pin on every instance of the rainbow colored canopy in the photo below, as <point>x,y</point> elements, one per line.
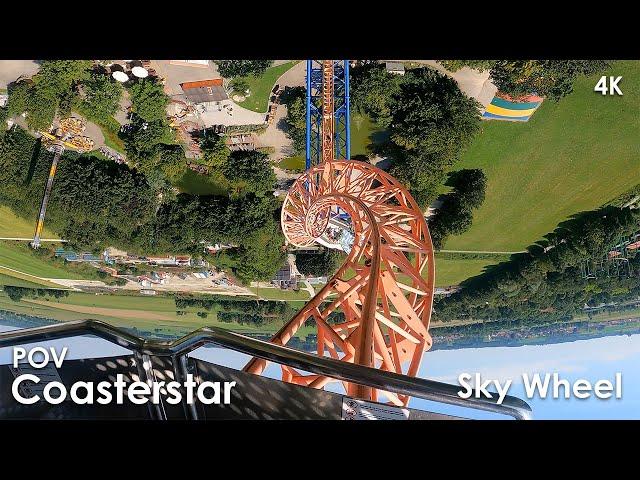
<point>502,108</point>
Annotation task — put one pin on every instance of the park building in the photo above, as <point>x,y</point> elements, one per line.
<point>207,93</point>
<point>397,68</point>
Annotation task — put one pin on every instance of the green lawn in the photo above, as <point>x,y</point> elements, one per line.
<point>260,87</point>
<point>146,321</point>
<point>278,294</point>
<point>364,133</point>
<point>572,156</point>
<point>196,184</point>
<point>296,163</point>
<point>11,225</point>
<point>17,282</point>
<point>21,257</point>
<point>17,279</point>
<point>452,272</point>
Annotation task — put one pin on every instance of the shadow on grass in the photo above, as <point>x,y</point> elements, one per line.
<point>569,234</point>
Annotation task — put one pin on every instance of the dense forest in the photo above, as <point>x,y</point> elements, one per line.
<point>429,120</point>
<point>96,203</point>
<point>548,282</point>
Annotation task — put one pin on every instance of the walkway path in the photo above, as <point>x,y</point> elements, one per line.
<point>239,115</point>
<point>11,70</point>
<point>275,135</point>
<point>472,82</point>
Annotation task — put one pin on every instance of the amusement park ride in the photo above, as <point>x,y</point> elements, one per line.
<point>385,287</point>
<point>372,317</point>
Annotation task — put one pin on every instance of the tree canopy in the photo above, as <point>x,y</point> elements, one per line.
<point>249,171</point>
<point>51,88</point>
<point>102,95</point>
<point>456,213</point>
<point>319,264</point>
<point>148,99</point>
<point>214,151</point>
<point>431,114</point>
<point>546,281</point>
<point>429,119</point>
<point>242,68</point>
<point>548,78</point>
<point>455,65</point>
<point>373,89</point>
<point>295,100</point>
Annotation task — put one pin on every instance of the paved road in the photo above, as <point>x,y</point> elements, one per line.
<point>275,135</point>
<point>10,70</point>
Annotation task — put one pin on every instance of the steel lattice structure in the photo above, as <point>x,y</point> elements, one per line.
<point>337,81</point>
<point>385,287</point>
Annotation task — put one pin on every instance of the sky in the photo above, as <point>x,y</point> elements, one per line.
<point>592,359</point>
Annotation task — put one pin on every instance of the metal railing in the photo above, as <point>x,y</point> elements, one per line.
<point>416,387</point>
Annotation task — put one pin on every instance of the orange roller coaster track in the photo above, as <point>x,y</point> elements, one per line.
<point>385,287</point>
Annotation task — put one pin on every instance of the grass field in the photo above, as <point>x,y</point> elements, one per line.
<point>452,272</point>
<point>17,282</point>
<point>11,225</point>
<point>278,294</point>
<point>572,156</point>
<point>261,87</point>
<point>19,257</point>
<point>148,314</point>
<point>17,279</point>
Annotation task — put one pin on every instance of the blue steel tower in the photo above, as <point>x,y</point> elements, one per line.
<point>342,139</point>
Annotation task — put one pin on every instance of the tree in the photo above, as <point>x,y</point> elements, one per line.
<point>142,141</point>
<point>240,85</point>
<point>41,109</point>
<point>102,95</point>
<point>242,68</point>
<point>97,202</point>
<point>148,100</point>
<point>547,78</point>
<point>58,76</point>
<point>546,283</point>
<point>214,151</point>
<point>456,213</point>
<point>319,264</point>
<point>422,173</point>
<point>433,121</point>
<point>52,87</point>
<point>18,98</point>
<point>294,99</point>
<point>455,65</point>
<point>372,92</point>
<point>249,171</point>
<point>3,118</point>
<point>172,160</point>
<point>469,184</point>
<point>259,256</point>
<point>430,113</point>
